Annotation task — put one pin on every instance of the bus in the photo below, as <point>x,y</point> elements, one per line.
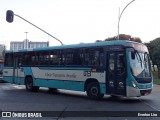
<point>116,68</point>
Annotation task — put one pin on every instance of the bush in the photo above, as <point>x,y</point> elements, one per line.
<point>156,80</point>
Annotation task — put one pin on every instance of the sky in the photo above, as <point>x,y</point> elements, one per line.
<point>79,21</point>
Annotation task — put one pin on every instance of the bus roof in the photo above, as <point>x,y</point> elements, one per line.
<point>83,45</point>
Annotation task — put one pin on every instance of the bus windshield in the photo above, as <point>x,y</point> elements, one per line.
<point>140,64</point>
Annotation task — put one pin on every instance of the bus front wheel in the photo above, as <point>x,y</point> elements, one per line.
<point>93,91</point>
<point>29,85</point>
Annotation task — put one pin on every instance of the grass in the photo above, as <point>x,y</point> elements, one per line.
<point>156,80</point>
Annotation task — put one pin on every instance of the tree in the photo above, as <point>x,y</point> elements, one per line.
<point>154,50</point>
<point>125,37</point>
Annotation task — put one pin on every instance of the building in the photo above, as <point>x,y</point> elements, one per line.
<point>26,44</point>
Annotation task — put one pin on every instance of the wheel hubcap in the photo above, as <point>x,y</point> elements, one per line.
<point>94,91</point>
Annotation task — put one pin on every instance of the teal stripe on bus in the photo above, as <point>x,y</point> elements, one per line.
<point>68,85</point>
<point>8,79</point>
<point>60,84</point>
<point>27,71</point>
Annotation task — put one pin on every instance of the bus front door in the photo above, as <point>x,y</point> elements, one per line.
<point>116,83</point>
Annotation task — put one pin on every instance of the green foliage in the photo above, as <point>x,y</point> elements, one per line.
<point>156,80</point>
<point>125,37</point>
<point>154,49</point>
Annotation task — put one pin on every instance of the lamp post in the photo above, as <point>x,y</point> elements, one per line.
<point>26,35</point>
<point>120,15</point>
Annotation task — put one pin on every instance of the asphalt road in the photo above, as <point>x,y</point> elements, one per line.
<point>15,98</point>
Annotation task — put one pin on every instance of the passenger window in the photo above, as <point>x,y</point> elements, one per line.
<point>94,57</point>
<point>55,58</point>
<point>8,60</point>
<point>42,58</point>
<point>28,59</point>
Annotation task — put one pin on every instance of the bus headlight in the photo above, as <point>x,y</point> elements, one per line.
<point>134,85</point>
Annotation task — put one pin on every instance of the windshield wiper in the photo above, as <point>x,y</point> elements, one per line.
<point>145,56</point>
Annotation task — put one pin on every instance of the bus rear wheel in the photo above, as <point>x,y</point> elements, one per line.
<point>29,85</point>
<point>93,91</point>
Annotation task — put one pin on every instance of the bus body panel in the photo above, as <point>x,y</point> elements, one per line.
<point>75,75</point>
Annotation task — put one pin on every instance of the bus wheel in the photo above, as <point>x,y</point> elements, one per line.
<point>93,91</point>
<point>29,85</point>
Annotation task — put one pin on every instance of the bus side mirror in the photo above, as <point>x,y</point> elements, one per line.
<point>9,16</point>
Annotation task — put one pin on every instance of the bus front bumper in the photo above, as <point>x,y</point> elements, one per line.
<point>134,92</point>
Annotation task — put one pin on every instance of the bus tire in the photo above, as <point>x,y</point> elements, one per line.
<point>29,85</point>
<point>93,91</point>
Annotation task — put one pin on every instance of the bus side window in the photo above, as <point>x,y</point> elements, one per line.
<point>41,58</point>
<point>55,57</point>
<point>87,57</point>
<point>8,60</point>
<point>69,57</point>
<point>77,57</point>
<point>28,58</point>
<point>94,57</point>
<point>62,58</point>
<point>99,57</point>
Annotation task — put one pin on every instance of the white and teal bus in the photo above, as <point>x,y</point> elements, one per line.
<point>117,68</point>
